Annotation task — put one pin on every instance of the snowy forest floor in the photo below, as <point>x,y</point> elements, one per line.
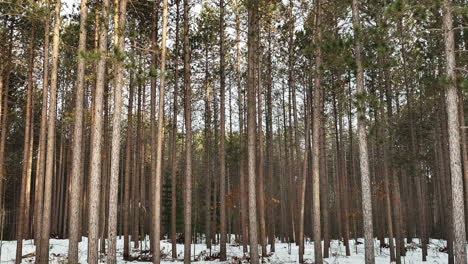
<point>284,253</point>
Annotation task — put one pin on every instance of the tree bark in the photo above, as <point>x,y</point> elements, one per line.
<point>174,138</point>
<point>49,169</point>
<point>154,61</point>
<point>41,153</point>
<point>240,100</point>
<point>120,9</point>
<point>128,173</point>
<point>222,139</point>
<point>260,169</point>
<point>159,143</point>
<point>316,131</point>
<point>252,7</point>
<point>453,124</point>
<point>188,140</point>
<point>269,146</point>
<point>23,214</point>
<point>362,140</point>
<point>305,169</point>
<point>96,142</point>
<point>76,171</point>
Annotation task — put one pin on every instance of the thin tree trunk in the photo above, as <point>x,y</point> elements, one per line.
<point>76,171</point>
<point>188,134</point>
<point>464,146</point>
<point>453,124</point>
<point>269,147</point>
<point>240,100</point>
<point>305,169</point>
<point>41,153</point>
<point>316,131</point>
<point>96,140</point>
<point>386,171</point>
<point>154,61</point>
<point>49,169</point>
<point>324,204</point>
<point>252,7</point>
<point>260,176</point>
<point>362,139</point>
<point>136,195</point>
<point>222,139</point>
<point>120,9</point>
<point>174,139</point>
<point>395,192</point>
<point>208,156</point>
<point>128,173</point>
<point>3,135</point>
<point>159,142</point>
<point>22,214</point>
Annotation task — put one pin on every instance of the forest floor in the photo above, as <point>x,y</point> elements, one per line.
<point>285,253</point>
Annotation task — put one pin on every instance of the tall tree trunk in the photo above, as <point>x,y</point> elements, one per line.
<point>188,140</point>
<point>41,153</point>
<point>120,9</point>
<point>27,205</point>
<point>159,143</point>
<point>174,139</point>
<point>453,124</point>
<point>96,142</point>
<point>305,170</point>
<point>49,169</point>
<point>154,61</point>
<point>22,214</point>
<point>222,139</point>
<point>386,171</point>
<point>252,7</point>
<point>464,146</point>
<point>76,171</point>
<point>208,155</point>
<point>324,187</point>
<point>269,146</point>
<point>136,195</point>
<point>260,170</point>
<point>316,131</point>
<point>393,180</point>
<point>362,139</point>
<point>240,100</point>
<point>128,172</point>
<point>3,136</point>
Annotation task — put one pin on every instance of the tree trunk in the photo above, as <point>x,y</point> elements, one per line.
<point>208,155</point>
<point>22,214</point>
<point>128,173</point>
<point>453,124</point>
<point>269,147</point>
<point>362,140</point>
<point>49,169</point>
<point>305,170</point>
<point>252,7</point>
<point>240,100</point>
<point>41,154</point>
<point>120,9</point>
<point>76,171</point>
<point>260,170</point>
<point>154,61</point>
<point>159,145</point>
<point>174,139</point>
<point>222,154</point>
<point>188,140</point>
<point>316,131</point>
<point>96,142</point>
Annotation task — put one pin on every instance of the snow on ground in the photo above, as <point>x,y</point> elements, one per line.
<point>285,253</point>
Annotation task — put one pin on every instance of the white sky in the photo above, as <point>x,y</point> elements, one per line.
<point>67,5</point>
